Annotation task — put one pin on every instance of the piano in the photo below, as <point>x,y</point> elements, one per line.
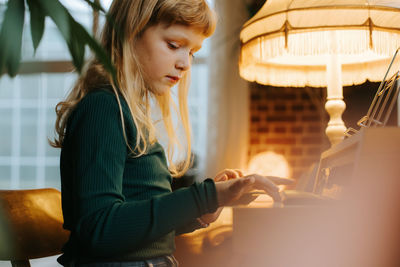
<point>361,227</point>
<point>355,217</point>
<point>351,218</point>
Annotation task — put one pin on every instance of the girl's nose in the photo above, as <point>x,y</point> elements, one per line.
<point>183,63</point>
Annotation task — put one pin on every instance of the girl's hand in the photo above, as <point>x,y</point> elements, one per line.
<point>230,190</point>
<point>228,174</point>
<point>224,175</point>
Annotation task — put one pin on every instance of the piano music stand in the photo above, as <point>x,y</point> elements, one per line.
<point>341,162</point>
<point>383,102</point>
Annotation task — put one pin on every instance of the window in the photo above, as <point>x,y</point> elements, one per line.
<point>27,105</point>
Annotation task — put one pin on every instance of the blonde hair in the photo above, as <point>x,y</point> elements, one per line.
<point>127,21</point>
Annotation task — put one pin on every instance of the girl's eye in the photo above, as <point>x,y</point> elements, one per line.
<point>192,55</point>
<point>173,45</point>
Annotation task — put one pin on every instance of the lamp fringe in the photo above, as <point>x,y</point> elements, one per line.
<point>256,65</point>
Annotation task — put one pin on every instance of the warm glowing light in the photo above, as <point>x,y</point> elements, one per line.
<point>269,164</point>
<point>297,43</point>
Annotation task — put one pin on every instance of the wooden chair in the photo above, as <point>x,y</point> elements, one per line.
<point>33,221</point>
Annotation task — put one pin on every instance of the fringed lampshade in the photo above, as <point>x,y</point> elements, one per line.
<point>321,43</point>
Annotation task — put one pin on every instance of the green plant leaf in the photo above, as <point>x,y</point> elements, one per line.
<point>65,24</point>
<point>74,33</point>
<point>76,45</point>
<point>59,14</point>
<point>37,22</point>
<point>11,36</point>
<point>102,56</point>
<point>96,48</point>
<point>3,44</point>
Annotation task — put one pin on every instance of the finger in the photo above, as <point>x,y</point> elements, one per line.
<point>228,172</point>
<point>239,172</point>
<point>265,182</point>
<point>281,180</point>
<point>276,196</point>
<point>221,177</point>
<point>232,173</point>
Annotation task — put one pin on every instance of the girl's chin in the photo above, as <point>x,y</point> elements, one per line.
<point>160,91</point>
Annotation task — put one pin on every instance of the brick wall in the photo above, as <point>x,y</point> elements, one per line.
<point>290,122</point>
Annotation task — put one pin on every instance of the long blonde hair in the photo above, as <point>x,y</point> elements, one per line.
<point>128,20</point>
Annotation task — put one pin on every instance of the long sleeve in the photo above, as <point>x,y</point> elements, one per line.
<point>185,182</point>
<point>113,202</point>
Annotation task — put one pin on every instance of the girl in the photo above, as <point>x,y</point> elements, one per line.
<point>116,184</point>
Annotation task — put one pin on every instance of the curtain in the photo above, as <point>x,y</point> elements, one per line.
<point>228,97</point>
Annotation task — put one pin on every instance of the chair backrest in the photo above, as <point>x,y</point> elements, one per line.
<point>34,218</point>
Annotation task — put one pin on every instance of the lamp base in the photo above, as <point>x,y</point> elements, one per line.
<point>336,128</point>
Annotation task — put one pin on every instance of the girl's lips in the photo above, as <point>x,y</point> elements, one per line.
<point>173,78</point>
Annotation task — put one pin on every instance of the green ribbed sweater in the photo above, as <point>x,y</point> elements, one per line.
<point>116,206</point>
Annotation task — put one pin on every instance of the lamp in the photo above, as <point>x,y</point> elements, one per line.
<point>320,43</point>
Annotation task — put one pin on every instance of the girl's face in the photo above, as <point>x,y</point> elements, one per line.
<point>165,54</point>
